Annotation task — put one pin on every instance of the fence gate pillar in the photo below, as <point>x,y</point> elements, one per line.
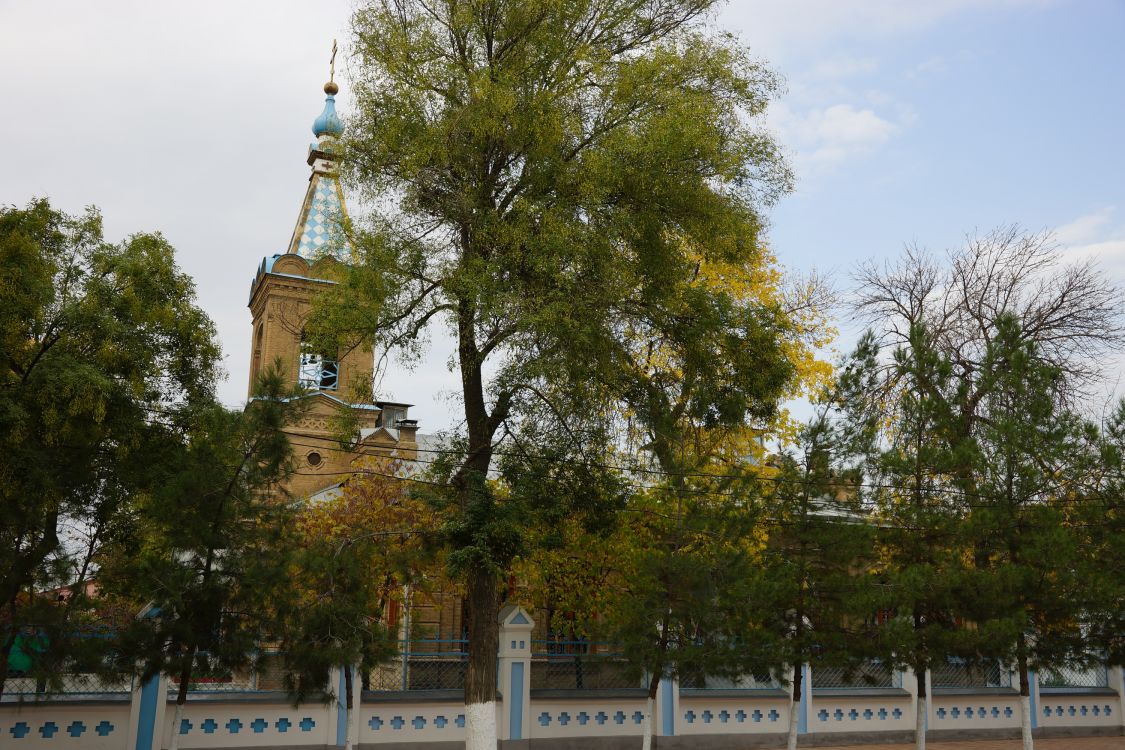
<point>515,672</point>
<point>667,707</point>
<point>148,702</point>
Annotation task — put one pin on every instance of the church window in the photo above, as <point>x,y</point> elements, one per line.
<point>317,371</point>
<point>257,364</point>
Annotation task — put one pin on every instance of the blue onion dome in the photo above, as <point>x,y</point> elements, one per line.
<point>328,123</point>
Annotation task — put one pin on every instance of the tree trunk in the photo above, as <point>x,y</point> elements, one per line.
<point>480,682</point>
<point>650,704</point>
<point>921,711</point>
<point>181,699</point>
<point>795,707</point>
<point>1025,704</point>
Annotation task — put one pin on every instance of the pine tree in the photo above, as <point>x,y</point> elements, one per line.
<point>1027,604</point>
<point>1096,491</point>
<point>207,551</point>
<point>919,558</point>
<point>809,599</point>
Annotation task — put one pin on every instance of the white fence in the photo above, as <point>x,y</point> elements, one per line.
<point>550,695</point>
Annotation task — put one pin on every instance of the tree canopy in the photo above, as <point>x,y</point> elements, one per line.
<point>551,182</point>
<point>98,340</point>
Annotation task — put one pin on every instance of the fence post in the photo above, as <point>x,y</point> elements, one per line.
<point>515,671</point>
<point>336,711</point>
<point>146,713</point>
<point>667,707</point>
<point>805,708</point>
<point>910,685</point>
<point>1115,678</point>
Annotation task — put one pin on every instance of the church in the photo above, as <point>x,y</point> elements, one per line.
<point>281,294</point>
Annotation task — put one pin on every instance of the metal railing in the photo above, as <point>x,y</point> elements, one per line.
<point>67,684</point>
<point>208,679</point>
<point>423,665</point>
<point>1074,677</point>
<point>581,665</point>
<point>740,682</point>
<point>871,674</point>
<point>959,673</point>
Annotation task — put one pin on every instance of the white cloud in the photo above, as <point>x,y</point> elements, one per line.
<point>827,136</point>
<point>1086,228</point>
<point>1098,237</point>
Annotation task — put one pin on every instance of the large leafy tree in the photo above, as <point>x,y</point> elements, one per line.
<point>558,174</point>
<point>97,339</point>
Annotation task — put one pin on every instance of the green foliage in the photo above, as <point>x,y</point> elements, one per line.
<point>683,562</point>
<point>1025,547</point>
<point>810,591</point>
<point>921,573</point>
<point>207,547</point>
<point>97,339</point>
<point>355,553</point>
<point>561,173</point>
<point>1096,491</point>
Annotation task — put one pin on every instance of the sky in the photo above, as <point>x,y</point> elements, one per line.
<point>905,122</point>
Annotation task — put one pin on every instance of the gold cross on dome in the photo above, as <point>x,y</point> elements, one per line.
<point>332,63</point>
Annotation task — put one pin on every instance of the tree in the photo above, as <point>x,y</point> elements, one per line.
<point>559,167</point>
<point>1096,489</point>
<point>1002,302</point>
<point>1029,603</point>
<point>355,552</point>
<point>807,598</point>
<point>207,549</point>
<point>98,339</point>
<point>1072,313</point>
<point>683,607</point>
<point>919,553</point>
<point>665,583</point>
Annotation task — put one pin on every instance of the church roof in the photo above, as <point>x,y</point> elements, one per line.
<point>320,222</point>
<point>319,225</point>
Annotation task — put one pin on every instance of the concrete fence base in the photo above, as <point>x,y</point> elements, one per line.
<point>555,719</point>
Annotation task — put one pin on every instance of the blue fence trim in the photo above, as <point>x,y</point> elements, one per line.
<point>803,708</point>
<point>515,714</point>
<point>668,707</point>
<point>342,711</point>
<point>1032,689</point>
<point>146,717</point>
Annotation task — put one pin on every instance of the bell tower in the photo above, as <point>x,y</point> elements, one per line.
<point>281,296</point>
